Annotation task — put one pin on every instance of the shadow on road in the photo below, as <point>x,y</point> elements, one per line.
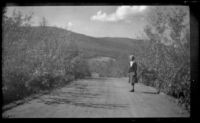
<point>146,92</point>
<point>80,96</point>
<point>53,101</point>
<point>96,79</point>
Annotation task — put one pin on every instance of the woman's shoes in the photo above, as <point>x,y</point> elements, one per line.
<point>132,90</point>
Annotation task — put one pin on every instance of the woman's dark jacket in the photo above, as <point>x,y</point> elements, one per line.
<point>133,68</point>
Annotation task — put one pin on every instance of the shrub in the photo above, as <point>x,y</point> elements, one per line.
<point>178,88</point>
<point>149,76</point>
<point>80,67</point>
<point>14,86</point>
<point>34,63</point>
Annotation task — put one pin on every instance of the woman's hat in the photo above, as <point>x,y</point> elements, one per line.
<point>131,57</point>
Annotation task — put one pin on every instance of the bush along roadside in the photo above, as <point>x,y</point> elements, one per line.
<point>19,85</point>
<point>179,87</point>
<point>29,68</point>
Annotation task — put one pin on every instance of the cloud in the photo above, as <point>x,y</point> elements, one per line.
<point>63,25</point>
<point>104,17</point>
<point>69,24</point>
<point>122,13</point>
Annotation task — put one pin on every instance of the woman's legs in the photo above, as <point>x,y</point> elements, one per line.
<point>132,80</point>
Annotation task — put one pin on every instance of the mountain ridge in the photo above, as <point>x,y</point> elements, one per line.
<point>106,46</point>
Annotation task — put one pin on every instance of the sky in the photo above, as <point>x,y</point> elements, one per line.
<point>96,21</point>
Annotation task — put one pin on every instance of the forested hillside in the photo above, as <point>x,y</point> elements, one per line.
<point>113,46</point>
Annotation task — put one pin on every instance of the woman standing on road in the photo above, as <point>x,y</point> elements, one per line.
<point>132,72</point>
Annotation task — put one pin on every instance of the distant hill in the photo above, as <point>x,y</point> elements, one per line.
<point>106,46</point>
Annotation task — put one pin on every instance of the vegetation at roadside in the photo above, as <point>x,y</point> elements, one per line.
<point>166,65</point>
<point>36,60</point>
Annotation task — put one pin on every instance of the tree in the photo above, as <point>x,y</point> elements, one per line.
<point>27,19</point>
<point>18,19</point>
<point>168,31</point>
<point>13,32</point>
<point>43,22</point>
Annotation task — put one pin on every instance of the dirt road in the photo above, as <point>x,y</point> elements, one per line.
<point>103,97</point>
